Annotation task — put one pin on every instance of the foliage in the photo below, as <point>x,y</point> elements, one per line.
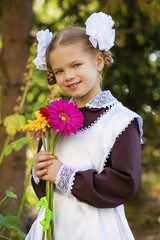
<point>16,145</point>
<point>10,222</point>
<point>13,123</point>
<point>134,77</point>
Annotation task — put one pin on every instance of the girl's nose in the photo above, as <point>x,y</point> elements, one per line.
<point>69,75</point>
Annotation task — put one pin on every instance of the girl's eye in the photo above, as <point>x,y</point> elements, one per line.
<point>76,65</point>
<point>58,72</point>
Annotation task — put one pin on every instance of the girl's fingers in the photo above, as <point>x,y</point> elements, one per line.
<point>42,161</point>
<point>43,164</point>
<point>44,153</point>
<point>40,173</point>
<point>43,156</point>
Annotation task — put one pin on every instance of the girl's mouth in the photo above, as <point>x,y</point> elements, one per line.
<point>74,85</point>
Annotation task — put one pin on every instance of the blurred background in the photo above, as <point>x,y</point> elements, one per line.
<point>134,79</point>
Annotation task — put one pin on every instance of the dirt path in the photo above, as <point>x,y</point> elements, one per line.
<point>147,234</point>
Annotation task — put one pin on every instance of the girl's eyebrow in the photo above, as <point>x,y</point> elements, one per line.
<point>78,60</point>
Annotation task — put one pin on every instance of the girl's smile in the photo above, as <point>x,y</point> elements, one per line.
<point>76,72</point>
<point>74,85</point>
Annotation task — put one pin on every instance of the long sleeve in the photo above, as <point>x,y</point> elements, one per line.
<point>121,177</point>
<point>40,188</point>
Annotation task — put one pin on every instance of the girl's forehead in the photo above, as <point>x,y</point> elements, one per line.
<point>68,53</point>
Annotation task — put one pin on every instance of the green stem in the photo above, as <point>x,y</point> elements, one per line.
<point>5,237</point>
<point>52,140</point>
<point>3,200</point>
<point>24,192</point>
<point>47,191</point>
<point>51,187</point>
<point>48,142</point>
<point>48,200</point>
<point>4,148</point>
<point>55,143</point>
<point>23,98</point>
<point>0,104</point>
<point>48,183</point>
<point>43,235</point>
<point>51,208</point>
<point>3,229</point>
<point>43,141</point>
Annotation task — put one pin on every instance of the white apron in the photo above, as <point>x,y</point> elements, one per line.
<point>88,149</point>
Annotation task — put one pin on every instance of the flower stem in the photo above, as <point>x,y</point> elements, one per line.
<point>24,192</point>
<point>48,142</point>
<point>23,98</point>
<point>49,185</point>
<point>4,237</point>
<point>55,138</point>
<point>3,200</point>
<point>3,152</point>
<point>52,140</point>
<point>43,141</point>
<point>43,235</point>
<point>55,143</point>
<point>51,208</point>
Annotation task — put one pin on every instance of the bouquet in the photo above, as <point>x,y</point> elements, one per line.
<point>60,117</point>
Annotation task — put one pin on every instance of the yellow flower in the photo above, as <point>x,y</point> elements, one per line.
<point>37,124</point>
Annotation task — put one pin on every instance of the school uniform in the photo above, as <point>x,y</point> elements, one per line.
<point>101,171</point>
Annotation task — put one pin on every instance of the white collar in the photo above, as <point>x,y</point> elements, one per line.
<point>102,100</point>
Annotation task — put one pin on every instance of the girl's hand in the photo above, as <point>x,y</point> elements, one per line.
<point>52,171</point>
<point>42,160</point>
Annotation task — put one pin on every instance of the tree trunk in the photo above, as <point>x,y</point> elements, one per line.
<point>16,25</point>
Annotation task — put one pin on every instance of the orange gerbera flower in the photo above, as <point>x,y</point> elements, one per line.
<point>37,124</point>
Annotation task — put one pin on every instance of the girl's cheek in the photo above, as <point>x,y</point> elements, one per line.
<point>59,79</point>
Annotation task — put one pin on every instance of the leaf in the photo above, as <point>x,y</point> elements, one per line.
<point>1,220</point>
<point>20,143</point>
<point>8,149</point>
<point>13,220</point>
<point>16,145</point>
<point>11,194</point>
<point>17,232</point>
<point>29,162</point>
<point>13,123</point>
<point>37,106</point>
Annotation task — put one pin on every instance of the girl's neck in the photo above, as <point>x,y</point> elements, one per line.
<point>82,101</point>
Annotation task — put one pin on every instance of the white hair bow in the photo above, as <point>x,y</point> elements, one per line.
<point>99,28</point>
<point>44,38</point>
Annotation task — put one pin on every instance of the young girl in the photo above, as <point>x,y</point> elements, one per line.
<point>98,169</point>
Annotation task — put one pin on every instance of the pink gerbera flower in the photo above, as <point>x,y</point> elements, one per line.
<point>65,117</point>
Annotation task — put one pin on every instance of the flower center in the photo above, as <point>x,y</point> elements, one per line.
<point>63,117</point>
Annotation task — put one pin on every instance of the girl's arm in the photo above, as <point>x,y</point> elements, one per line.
<point>119,180</point>
<point>121,177</point>
<point>40,189</point>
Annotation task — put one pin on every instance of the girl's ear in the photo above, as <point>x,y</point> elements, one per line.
<point>100,61</point>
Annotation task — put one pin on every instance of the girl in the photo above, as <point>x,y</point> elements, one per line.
<point>98,169</point>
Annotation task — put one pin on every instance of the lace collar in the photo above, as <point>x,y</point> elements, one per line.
<point>102,100</point>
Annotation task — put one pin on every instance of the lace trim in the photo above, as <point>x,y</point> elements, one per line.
<point>65,178</point>
<point>35,178</point>
<point>102,100</point>
<point>101,115</point>
<point>123,130</point>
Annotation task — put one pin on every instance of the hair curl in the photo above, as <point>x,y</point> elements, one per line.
<point>68,36</point>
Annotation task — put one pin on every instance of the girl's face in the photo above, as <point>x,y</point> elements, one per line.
<point>76,72</point>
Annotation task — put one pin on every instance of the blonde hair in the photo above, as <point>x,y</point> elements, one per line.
<point>68,36</point>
